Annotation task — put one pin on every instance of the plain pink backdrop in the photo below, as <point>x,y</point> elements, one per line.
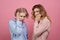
<point>7,9</point>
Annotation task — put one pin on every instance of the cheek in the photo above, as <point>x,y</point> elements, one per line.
<point>20,17</point>
<point>40,15</point>
<point>37,14</point>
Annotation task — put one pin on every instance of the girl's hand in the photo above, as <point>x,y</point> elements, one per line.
<point>37,18</point>
<point>17,16</point>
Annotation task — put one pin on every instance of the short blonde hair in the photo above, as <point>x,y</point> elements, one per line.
<point>20,10</point>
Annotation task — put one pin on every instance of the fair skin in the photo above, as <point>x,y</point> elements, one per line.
<point>37,18</point>
<point>20,16</point>
<point>37,15</point>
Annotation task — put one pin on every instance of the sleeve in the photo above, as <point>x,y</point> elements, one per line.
<point>26,31</point>
<point>42,27</point>
<point>14,27</point>
<point>35,26</point>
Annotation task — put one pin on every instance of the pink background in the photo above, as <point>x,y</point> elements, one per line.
<point>7,9</point>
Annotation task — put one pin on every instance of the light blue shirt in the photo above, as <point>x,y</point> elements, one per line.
<point>18,30</point>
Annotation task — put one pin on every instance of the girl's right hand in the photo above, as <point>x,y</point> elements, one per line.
<point>17,16</point>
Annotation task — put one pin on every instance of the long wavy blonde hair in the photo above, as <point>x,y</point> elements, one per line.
<point>42,11</point>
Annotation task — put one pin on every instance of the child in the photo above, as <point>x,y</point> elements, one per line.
<point>17,25</point>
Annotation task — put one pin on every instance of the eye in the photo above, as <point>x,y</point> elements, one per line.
<point>37,11</point>
<point>22,16</point>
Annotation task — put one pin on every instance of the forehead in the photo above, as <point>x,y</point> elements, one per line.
<point>22,13</point>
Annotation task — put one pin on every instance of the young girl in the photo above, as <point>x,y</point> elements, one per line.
<point>41,23</point>
<point>17,25</point>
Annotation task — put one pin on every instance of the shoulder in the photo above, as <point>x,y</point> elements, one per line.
<point>12,21</point>
<point>46,20</point>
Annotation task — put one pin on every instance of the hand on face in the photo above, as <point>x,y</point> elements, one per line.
<point>37,14</point>
<point>20,16</point>
<point>17,16</point>
<point>37,18</point>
